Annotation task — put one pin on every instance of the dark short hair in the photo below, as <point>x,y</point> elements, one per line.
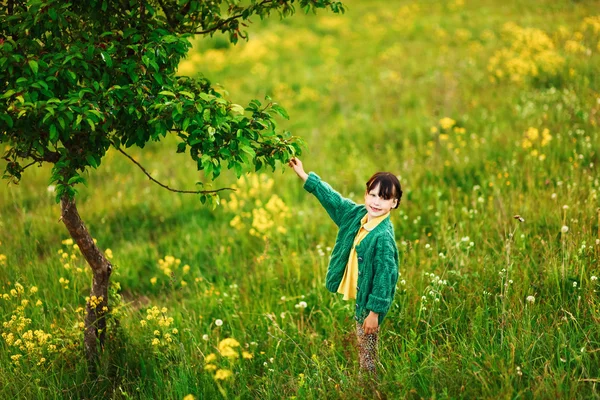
<point>389,186</point>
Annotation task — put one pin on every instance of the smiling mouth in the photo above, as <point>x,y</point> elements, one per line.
<point>375,209</point>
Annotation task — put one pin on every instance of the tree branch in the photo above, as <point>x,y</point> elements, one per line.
<point>232,18</point>
<point>167,13</point>
<point>165,186</point>
<point>29,165</point>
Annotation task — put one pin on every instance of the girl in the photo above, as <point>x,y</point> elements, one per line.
<point>364,260</point>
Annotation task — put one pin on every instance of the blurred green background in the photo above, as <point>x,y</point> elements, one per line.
<point>484,109</point>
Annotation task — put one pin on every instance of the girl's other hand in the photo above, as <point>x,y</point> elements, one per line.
<point>371,323</point>
<point>296,165</point>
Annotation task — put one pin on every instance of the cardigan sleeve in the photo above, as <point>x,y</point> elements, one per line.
<point>336,206</point>
<point>385,278</point>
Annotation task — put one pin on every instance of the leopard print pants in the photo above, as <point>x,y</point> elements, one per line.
<point>367,349</point>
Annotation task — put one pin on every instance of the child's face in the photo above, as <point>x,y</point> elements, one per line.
<point>376,205</point>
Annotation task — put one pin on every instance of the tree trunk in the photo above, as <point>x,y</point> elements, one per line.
<point>97,306</point>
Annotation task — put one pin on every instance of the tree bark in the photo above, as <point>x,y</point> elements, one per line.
<point>97,306</point>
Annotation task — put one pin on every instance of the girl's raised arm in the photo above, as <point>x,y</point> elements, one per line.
<point>336,206</point>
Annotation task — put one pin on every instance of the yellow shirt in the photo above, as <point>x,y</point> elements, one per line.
<point>350,280</point>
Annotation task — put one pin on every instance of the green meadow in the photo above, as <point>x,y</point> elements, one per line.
<point>488,112</point>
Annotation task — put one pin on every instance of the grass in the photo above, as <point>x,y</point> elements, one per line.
<point>366,91</point>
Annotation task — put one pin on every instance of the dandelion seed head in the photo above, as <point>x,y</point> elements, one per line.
<point>530,299</point>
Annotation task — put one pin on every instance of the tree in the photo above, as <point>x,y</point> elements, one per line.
<point>79,77</point>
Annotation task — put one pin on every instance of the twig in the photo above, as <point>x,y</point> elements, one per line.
<point>226,21</point>
<point>165,186</point>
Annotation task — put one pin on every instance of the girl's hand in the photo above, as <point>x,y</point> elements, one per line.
<point>296,165</point>
<point>371,324</point>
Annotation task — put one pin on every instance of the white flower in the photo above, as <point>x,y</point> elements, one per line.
<point>302,304</point>
<point>51,188</point>
<point>565,207</point>
<point>441,255</point>
<point>564,229</point>
<point>574,284</point>
<point>282,315</point>
<point>218,322</point>
<point>594,278</point>
<point>553,196</point>
<point>427,246</point>
<point>403,282</point>
<point>530,299</point>
<point>205,337</point>
<point>282,298</point>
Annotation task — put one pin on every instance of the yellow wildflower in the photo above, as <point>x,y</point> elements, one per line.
<point>247,355</point>
<point>447,123</point>
<point>228,342</point>
<point>153,280</point>
<point>155,342</point>
<point>228,352</point>
<point>546,137</point>
<point>223,374</point>
<point>210,358</point>
<point>210,367</point>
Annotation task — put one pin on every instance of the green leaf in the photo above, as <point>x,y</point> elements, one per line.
<point>53,133</point>
<point>92,125</point>
<point>167,93</point>
<point>96,113</point>
<point>74,179</point>
<point>34,66</point>
<point>186,123</point>
<point>238,169</point>
<point>280,110</point>
<point>187,94</point>
<point>248,150</point>
<point>91,160</point>
<point>8,94</point>
<point>7,119</point>
<point>106,58</point>
<point>236,109</point>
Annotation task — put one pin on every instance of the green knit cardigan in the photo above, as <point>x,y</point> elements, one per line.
<point>377,253</point>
